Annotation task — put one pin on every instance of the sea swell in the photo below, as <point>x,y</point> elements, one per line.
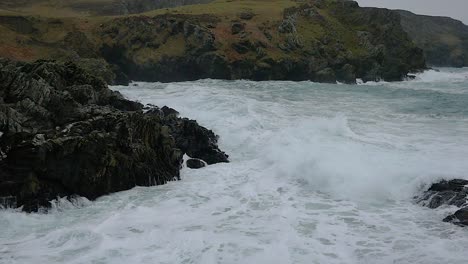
<point>319,173</point>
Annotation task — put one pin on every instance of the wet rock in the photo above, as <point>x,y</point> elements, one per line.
<point>65,133</point>
<point>456,185</point>
<point>460,217</point>
<point>197,141</point>
<point>195,164</point>
<point>454,193</point>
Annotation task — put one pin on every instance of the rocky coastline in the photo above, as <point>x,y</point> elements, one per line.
<point>65,133</point>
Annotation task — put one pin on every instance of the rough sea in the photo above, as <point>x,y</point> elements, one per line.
<point>319,173</point>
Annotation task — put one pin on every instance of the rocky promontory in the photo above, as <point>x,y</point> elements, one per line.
<point>317,40</point>
<point>63,132</point>
<point>443,39</point>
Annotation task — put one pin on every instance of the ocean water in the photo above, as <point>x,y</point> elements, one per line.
<point>319,173</point>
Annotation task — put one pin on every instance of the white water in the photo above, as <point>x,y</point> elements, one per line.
<point>319,174</point>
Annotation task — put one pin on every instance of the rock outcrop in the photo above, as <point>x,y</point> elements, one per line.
<point>63,132</point>
<point>453,192</point>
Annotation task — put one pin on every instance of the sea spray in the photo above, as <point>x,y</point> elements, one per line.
<point>319,173</point>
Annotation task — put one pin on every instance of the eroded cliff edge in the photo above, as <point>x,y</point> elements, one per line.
<point>64,132</point>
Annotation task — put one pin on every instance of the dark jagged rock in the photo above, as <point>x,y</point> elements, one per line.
<point>195,164</point>
<point>453,192</point>
<point>63,132</point>
<point>460,217</point>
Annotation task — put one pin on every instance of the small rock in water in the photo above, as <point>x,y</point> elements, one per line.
<point>195,164</point>
<point>453,192</point>
<point>460,217</point>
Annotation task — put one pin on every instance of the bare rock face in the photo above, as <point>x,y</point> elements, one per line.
<point>453,192</point>
<point>63,132</point>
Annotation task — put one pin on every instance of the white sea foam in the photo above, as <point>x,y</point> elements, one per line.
<point>319,174</point>
<point>443,75</point>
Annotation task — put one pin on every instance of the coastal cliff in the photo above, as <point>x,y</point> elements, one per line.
<point>317,40</point>
<point>443,39</point>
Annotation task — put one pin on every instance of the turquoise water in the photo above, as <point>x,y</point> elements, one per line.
<point>320,173</point>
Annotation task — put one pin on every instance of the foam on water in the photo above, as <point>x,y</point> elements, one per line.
<point>319,174</point>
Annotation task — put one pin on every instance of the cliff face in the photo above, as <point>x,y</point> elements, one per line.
<point>444,40</point>
<point>320,40</point>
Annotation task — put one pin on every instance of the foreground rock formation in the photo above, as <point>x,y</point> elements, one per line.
<point>453,192</point>
<point>318,40</point>
<point>63,132</point>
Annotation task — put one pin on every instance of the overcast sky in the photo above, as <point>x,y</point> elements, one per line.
<point>453,8</point>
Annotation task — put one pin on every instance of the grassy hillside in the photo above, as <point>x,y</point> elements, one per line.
<point>79,8</point>
<point>444,40</point>
<point>322,40</point>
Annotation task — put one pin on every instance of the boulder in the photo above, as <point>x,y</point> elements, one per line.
<point>460,217</point>
<point>453,193</point>
<point>65,133</point>
<point>195,164</point>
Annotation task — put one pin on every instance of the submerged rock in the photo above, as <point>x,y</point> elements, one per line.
<point>65,133</point>
<point>453,192</point>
